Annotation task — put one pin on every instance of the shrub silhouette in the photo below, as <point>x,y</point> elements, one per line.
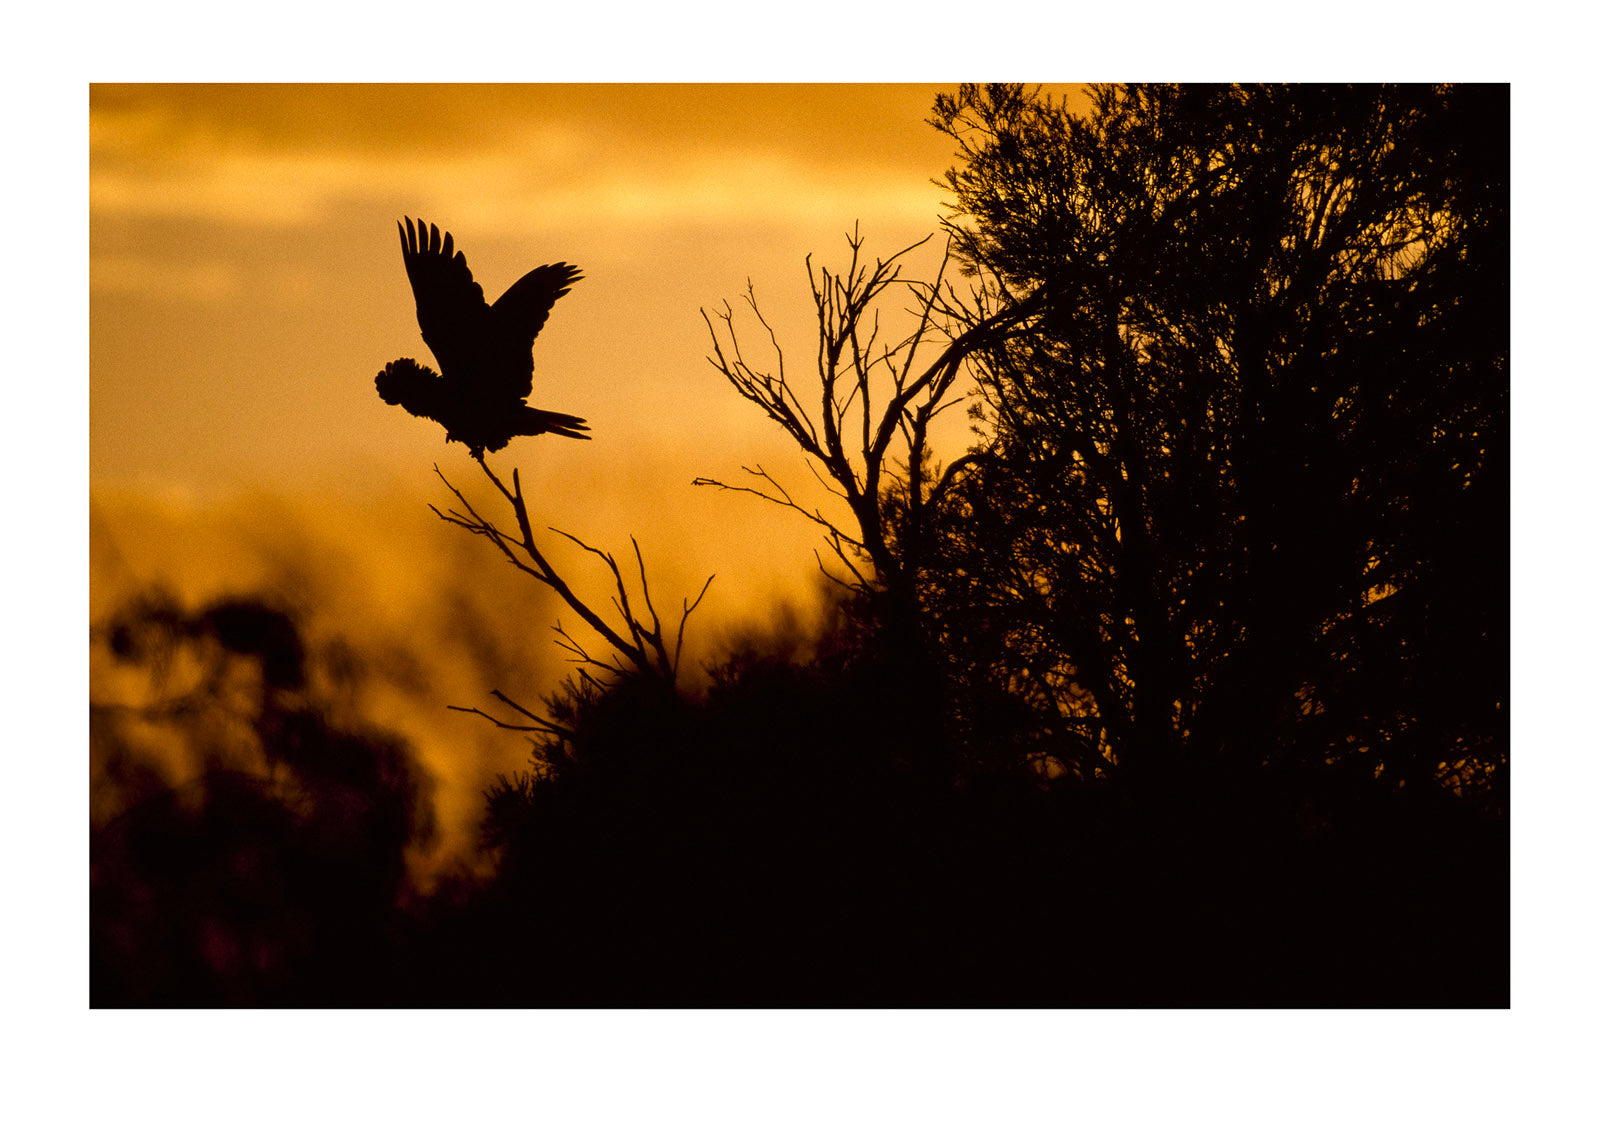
<point>771,844</point>
<point>271,871</point>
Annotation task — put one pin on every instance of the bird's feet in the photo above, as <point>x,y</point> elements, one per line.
<point>476,450</point>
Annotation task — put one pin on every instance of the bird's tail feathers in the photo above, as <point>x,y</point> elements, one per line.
<point>536,421</point>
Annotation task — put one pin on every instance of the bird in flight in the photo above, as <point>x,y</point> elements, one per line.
<point>486,351</point>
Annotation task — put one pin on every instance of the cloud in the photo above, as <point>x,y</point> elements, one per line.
<point>290,189</point>
<point>206,281</point>
<point>592,163</point>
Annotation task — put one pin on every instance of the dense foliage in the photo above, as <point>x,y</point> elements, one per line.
<point>1247,494</point>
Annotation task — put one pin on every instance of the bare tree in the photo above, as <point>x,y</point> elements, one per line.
<point>637,640</point>
<point>863,428</point>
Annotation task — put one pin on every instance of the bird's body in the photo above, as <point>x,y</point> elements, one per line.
<point>485,352</point>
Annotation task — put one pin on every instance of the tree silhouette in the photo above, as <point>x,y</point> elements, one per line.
<point>1223,580</point>
<point>485,351</point>
<point>1243,494</point>
<point>864,427</point>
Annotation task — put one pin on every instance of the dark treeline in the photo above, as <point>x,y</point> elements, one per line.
<point>248,828</point>
<point>1186,685</point>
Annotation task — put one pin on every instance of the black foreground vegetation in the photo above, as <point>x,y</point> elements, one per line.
<point>1186,685</point>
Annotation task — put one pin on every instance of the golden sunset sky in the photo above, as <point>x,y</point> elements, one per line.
<point>246,286</point>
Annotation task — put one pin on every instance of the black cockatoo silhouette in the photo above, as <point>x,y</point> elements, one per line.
<point>486,351</point>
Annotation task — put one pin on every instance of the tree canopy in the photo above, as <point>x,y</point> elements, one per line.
<point>1244,492</point>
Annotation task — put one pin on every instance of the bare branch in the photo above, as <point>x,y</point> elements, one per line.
<point>635,652</point>
<point>826,486</point>
<point>542,725</point>
<point>859,587</point>
<point>688,608</point>
<point>782,499</point>
<point>638,644</point>
<point>852,356</point>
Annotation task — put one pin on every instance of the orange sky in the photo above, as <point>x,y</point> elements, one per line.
<point>245,280</point>
<point>246,285</point>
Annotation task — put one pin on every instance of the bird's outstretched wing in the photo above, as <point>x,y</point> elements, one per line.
<point>450,306</point>
<point>522,311</point>
<point>525,307</point>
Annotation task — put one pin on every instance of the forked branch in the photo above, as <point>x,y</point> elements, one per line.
<point>863,427</point>
<point>632,631</point>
